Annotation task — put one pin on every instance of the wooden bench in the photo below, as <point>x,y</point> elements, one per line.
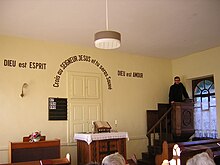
<point>189,149</point>
<point>61,161</point>
<point>27,151</point>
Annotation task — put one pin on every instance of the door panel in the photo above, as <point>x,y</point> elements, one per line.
<point>77,87</point>
<point>92,87</point>
<point>84,102</point>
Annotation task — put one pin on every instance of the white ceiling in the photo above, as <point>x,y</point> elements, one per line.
<point>157,28</point>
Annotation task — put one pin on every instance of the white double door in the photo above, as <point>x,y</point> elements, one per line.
<point>84,101</point>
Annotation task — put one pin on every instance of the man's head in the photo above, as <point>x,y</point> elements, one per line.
<point>114,159</point>
<point>177,80</point>
<point>200,159</point>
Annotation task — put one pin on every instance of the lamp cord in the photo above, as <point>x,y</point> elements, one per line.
<point>106,13</point>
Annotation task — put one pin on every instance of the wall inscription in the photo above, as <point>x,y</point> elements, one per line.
<point>30,64</point>
<point>81,58</point>
<point>130,74</point>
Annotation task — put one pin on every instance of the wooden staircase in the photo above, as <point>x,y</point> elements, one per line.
<point>158,122</point>
<point>163,126</point>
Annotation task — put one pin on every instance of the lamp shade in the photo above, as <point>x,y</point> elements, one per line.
<point>107,40</point>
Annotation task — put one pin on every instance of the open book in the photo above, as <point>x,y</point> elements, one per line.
<point>102,126</point>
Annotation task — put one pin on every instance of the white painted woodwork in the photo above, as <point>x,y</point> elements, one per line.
<point>84,102</point>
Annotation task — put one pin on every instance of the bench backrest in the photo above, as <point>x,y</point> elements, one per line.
<point>27,151</point>
<point>188,150</point>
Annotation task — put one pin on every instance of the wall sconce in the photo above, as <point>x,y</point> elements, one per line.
<point>25,85</point>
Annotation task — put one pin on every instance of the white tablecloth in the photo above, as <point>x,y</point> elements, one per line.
<point>89,137</point>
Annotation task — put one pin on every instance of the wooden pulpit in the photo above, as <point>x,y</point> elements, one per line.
<point>182,120</point>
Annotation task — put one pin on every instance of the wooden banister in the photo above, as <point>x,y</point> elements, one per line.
<point>159,121</point>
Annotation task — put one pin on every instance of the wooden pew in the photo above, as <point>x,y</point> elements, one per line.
<point>189,149</point>
<point>61,161</point>
<point>216,156</point>
<point>26,151</point>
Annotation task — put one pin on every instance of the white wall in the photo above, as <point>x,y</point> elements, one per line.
<point>127,102</point>
<point>198,65</point>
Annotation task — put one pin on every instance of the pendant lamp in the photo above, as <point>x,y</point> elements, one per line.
<point>107,39</point>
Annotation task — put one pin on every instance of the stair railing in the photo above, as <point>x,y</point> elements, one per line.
<point>159,123</point>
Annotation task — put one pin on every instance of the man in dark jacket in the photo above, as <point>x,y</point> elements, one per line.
<point>177,91</point>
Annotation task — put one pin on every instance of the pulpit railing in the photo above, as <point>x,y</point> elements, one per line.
<point>162,125</point>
